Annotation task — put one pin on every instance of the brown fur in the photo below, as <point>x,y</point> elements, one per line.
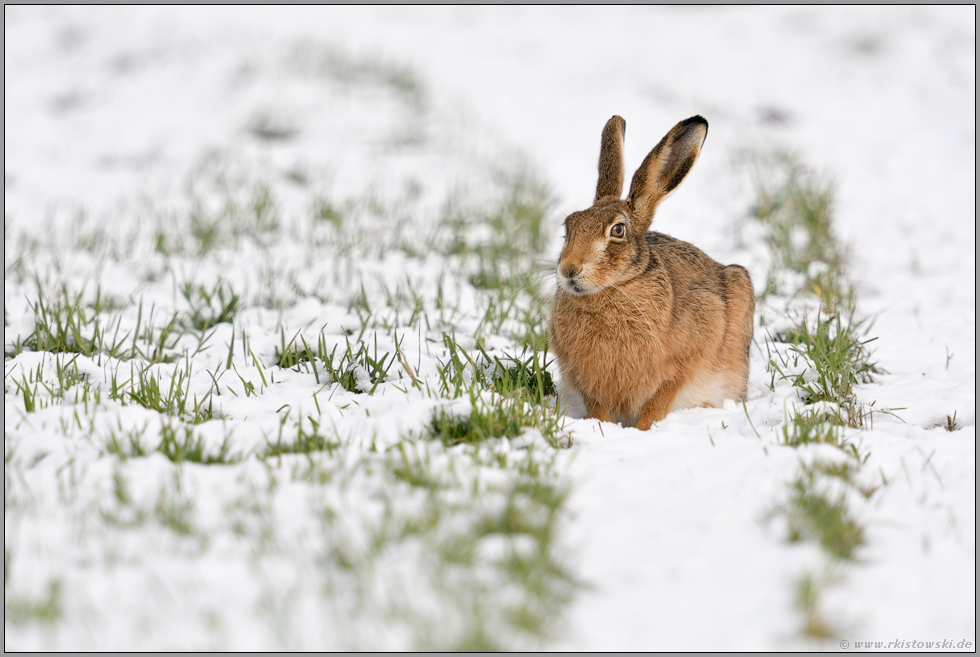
<point>646,323</point>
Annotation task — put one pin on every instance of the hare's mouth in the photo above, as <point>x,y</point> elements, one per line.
<point>575,285</point>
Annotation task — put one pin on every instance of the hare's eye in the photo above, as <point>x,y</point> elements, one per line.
<point>618,231</point>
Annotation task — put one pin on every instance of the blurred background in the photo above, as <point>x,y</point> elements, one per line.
<point>104,106</point>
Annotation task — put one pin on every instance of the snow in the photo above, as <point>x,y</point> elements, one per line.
<point>115,117</point>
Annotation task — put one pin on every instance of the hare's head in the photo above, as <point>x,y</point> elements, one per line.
<point>606,244</point>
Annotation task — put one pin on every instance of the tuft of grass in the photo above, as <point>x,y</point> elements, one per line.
<point>486,421</point>
<point>360,71</point>
<point>20,610</point>
<point>360,371</point>
<point>835,359</point>
<point>807,590</point>
<point>506,395</point>
<point>811,427</point>
<point>218,305</point>
<point>305,442</point>
<point>27,388</point>
<point>224,210</point>
<point>495,416</point>
<point>126,444</point>
<point>526,376</point>
<point>172,508</point>
<point>454,519</point>
<point>32,385</point>
<point>813,514</point>
<point>155,344</point>
<point>289,356</point>
<point>174,400</point>
<point>795,204</point>
<point>178,443</point>
<point>190,447</point>
<point>64,324</point>
<point>326,212</point>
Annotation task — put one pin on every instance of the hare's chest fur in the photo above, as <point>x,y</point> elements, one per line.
<point>609,347</point>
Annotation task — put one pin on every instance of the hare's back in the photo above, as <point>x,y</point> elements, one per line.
<point>688,267</point>
<point>712,321</point>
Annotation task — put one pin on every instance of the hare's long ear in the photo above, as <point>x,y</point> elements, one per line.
<point>666,166</point>
<point>611,160</point>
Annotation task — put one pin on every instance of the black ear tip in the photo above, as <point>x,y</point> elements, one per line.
<point>697,119</point>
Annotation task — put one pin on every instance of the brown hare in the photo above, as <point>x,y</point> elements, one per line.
<point>643,323</point>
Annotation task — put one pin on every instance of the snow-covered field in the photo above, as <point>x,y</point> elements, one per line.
<point>198,191</point>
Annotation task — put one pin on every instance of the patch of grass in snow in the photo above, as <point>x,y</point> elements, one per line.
<point>501,232</point>
<point>178,442</point>
<point>305,441</point>
<point>63,323</point>
<point>807,590</point>
<point>126,443</point>
<point>27,389</point>
<point>506,395</point>
<point>480,526</point>
<point>825,361</point>
<point>156,342</point>
<point>526,375</point>
<point>209,307</point>
<point>846,472</point>
<point>292,356</point>
<point>795,204</point>
<point>359,70</point>
<point>362,370</point>
<point>75,323</point>
<point>493,417</point>
<point>470,509</point>
<point>37,392</point>
<point>23,609</point>
<point>822,425</point>
<point>809,427</point>
<point>499,245</point>
<point>226,208</point>
<point>359,369</point>
<point>326,211</point>
<point>172,507</point>
<point>814,513</point>
<point>835,359</point>
<point>148,387</point>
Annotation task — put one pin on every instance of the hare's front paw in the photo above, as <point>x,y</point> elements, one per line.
<point>596,410</point>
<point>658,406</point>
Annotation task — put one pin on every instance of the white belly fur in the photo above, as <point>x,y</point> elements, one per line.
<point>712,390</point>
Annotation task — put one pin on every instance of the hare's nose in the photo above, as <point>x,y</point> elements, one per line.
<point>570,270</point>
